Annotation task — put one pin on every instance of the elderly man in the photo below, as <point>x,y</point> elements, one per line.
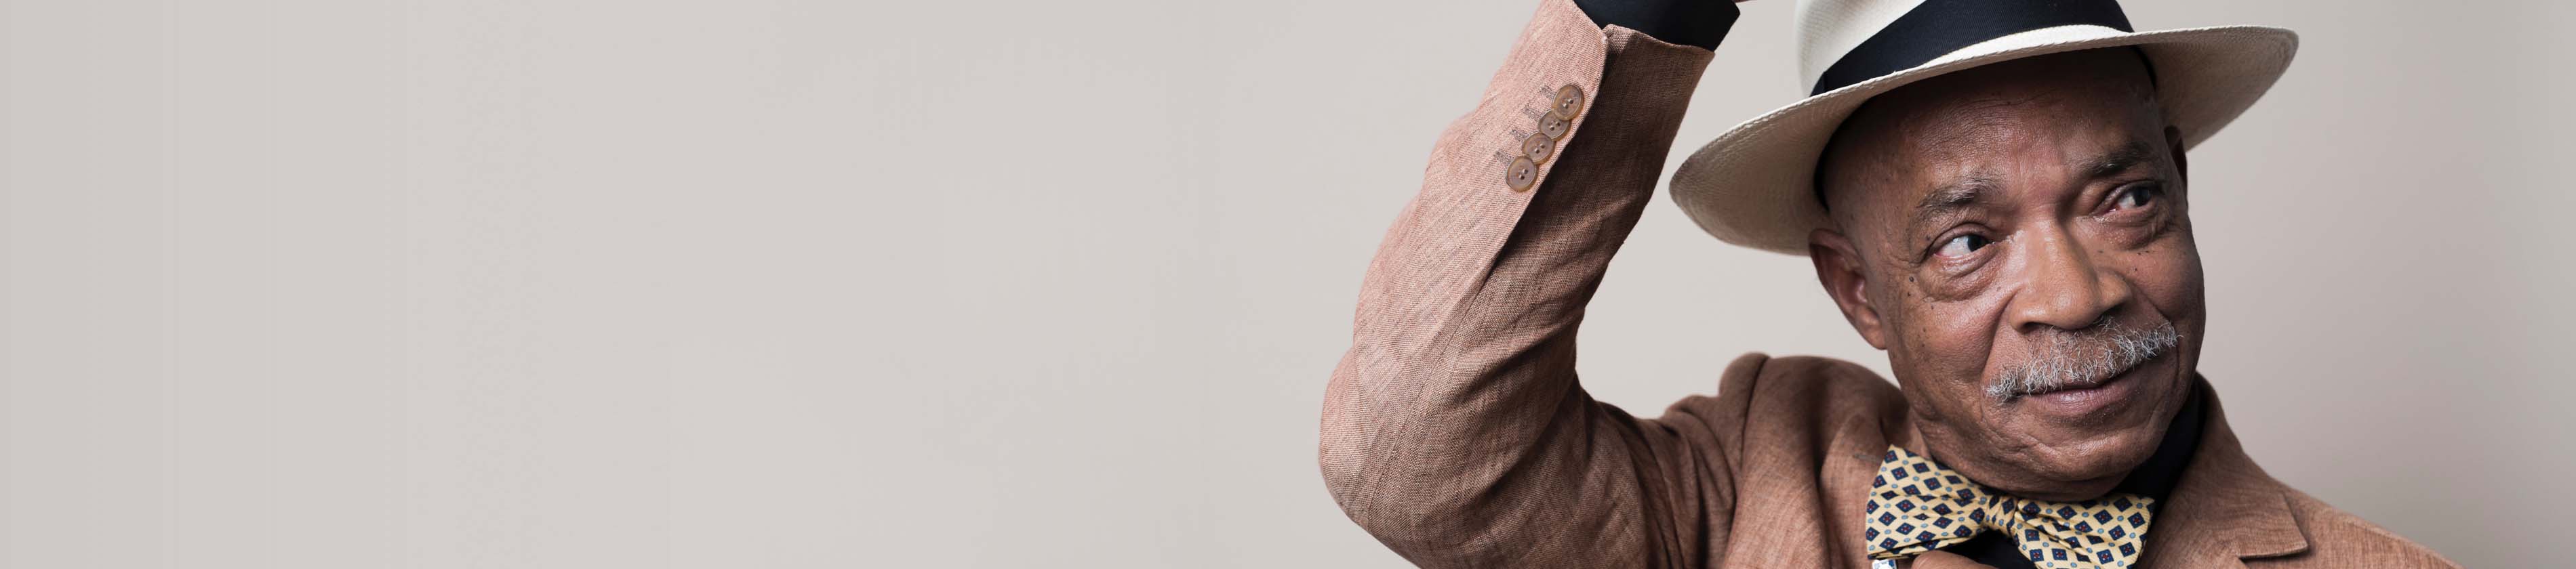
<point>1994,192</point>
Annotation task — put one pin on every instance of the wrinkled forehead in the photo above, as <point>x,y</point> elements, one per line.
<point>2010,125</point>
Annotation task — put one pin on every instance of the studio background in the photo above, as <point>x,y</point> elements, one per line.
<point>699,283</point>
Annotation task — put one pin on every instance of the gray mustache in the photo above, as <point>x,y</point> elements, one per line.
<point>2079,358</point>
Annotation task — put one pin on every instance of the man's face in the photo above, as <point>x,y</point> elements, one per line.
<point>2016,237</point>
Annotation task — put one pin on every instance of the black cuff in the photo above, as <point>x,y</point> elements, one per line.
<point>1698,23</point>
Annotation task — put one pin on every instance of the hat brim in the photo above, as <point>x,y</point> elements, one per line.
<point>1754,185</point>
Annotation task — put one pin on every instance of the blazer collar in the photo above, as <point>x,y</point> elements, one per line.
<point>2225,507</point>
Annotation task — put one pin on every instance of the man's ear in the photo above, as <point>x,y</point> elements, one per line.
<point>1838,268</point>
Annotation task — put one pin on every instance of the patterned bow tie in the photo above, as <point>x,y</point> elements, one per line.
<point>1917,506</point>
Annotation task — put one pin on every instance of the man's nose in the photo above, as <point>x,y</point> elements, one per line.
<point>2065,287</point>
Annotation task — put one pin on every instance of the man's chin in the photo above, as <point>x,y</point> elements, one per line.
<point>2082,470</point>
<point>2078,443</point>
<point>2047,461</point>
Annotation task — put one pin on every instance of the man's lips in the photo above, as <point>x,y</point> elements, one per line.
<point>2087,398</point>
<point>2079,386</point>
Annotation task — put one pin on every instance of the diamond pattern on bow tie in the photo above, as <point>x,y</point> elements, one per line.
<point>1916,505</point>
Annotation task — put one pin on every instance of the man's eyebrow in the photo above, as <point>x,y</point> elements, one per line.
<point>1949,201</point>
<point>1954,196</point>
<point>2118,160</point>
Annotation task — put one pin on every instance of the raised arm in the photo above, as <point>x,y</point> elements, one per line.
<point>1454,430</point>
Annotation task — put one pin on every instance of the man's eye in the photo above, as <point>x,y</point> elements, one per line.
<point>2136,196</point>
<point>1962,245</point>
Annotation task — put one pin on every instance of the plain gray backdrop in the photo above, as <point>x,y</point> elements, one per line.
<point>697,283</point>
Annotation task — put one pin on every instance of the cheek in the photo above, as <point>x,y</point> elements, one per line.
<point>2168,277</point>
<point>1949,343</point>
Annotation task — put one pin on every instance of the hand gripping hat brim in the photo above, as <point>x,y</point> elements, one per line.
<point>1755,185</point>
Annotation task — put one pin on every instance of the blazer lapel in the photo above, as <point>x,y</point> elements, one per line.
<point>2225,508</point>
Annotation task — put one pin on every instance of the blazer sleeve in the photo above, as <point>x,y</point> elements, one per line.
<point>1454,430</point>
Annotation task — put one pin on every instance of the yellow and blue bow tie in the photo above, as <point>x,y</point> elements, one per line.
<point>1917,506</point>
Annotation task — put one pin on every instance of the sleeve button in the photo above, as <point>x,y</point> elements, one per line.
<point>1538,147</point>
<point>1554,126</point>
<point>1569,102</point>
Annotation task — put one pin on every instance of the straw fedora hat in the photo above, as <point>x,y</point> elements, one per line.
<point>1755,185</point>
